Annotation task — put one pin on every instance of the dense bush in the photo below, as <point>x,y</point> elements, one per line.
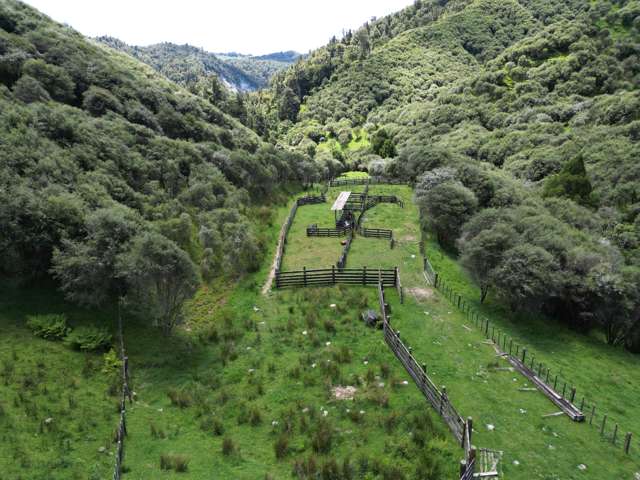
<point>50,327</point>
<point>89,338</point>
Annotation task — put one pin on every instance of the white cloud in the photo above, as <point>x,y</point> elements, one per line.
<point>246,26</point>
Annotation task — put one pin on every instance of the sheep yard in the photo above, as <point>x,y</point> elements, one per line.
<point>293,384</point>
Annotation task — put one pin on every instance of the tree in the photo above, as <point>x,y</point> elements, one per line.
<point>289,105</point>
<point>160,277</point>
<point>54,79</point>
<point>483,253</point>
<point>29,90</point>
<point>447,207</point>
<point>86,268</point>
<point>616,303</point>
<point>97,101</point>
<point>382,144</point>
<point>527,274</point>
<point>572,182</point>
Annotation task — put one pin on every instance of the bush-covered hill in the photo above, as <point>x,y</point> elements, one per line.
<point>518,122</point>
<point>188,65</point>
<point>112,176</point>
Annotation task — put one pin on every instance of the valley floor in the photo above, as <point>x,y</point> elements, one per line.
<point>245,389</point>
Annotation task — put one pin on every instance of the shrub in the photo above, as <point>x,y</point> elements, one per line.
<point>281,446</point>
<point>170,461</point>
<point>157,433</point>
<point>88,338</point>
<point>97,101</point>
<point>50,327</point>
<point>255,418</point>
<point>180,398</point>
<point>29,90</point>
<point>322,437</point>
<point>228,447</point>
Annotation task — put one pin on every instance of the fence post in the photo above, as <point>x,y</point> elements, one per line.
<point>524,354</point>
<point>627,442</point>
<point>573,394</point>
<point>470,429</point>
<point>510,345</point>
<point>395,280</point>
<point>615,434</point>
<point>435,283</point>
<point>582,404</point>
<point>443,398</point>
<point>593,413</point>
<point>555,383</point>
<point>463,468</point>
<point>333,274</point>
<point>304,276</point>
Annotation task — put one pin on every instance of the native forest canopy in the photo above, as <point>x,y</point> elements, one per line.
<point>152,197</point>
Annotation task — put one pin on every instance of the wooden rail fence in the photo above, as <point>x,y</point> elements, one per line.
<point>315,231</point>
<point>282,239</point>
<point>311,200</point>
<point>121,431</point>
<point>342,261</point>
<point>561,392</point>
<point>341,182</point>
<point>437,398</point>
<point>333,276</point>
<point>376,233</point>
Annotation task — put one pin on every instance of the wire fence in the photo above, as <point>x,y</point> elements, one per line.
<point>121,431</point>
<point>609,429</point>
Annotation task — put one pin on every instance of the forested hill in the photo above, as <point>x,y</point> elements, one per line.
<point>519,122</point>
<point>188,65</point>
<point>112,177</point>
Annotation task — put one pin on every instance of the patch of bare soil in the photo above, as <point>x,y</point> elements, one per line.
<point>420,293</point>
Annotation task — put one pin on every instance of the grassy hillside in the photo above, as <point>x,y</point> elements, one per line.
<point>525,112</point>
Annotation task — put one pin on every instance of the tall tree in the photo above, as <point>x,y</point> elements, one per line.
<point>160,277</point>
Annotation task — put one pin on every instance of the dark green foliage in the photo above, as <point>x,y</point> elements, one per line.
<point>383,145</point>
<point>89,338</point>
<point>54,79</point>
<point>28,90</point>
<point>448,206</point>
<point>572,182</point>
<point>98,101</point>
<point>49,327</point>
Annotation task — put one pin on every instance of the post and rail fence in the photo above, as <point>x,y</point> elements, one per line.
<point>334,276</point>
<point>561,392</point>
<point>460,428</point>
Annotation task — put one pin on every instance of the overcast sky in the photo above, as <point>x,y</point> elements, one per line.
<point>245,26</point>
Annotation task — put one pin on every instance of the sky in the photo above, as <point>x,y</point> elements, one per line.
<point>245,26</point>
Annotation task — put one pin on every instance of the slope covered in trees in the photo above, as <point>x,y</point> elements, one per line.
<point>518,122</point>
<point>188,65</point>
<point>115,180</point>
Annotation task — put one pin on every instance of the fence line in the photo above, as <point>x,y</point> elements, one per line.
<point>437,398</point>
<point>311,200</point>
<point>282,240</point>
<point>121,431</point>
<point>560,391</point>
<point>338,182</point>
<point>333,276</point>
<point>376,233</point>
<point>342,261</point>
<point>315,231</point>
